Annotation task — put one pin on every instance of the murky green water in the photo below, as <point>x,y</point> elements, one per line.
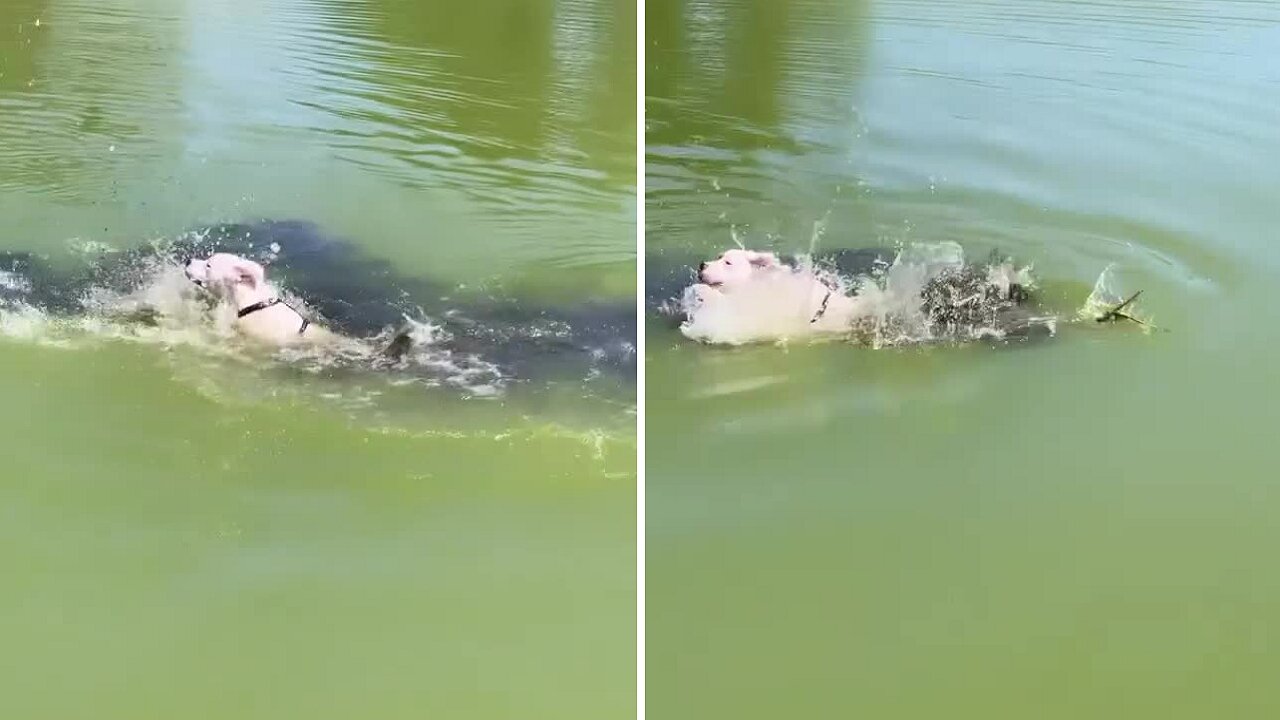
<point>185,536</point>
<point>1078,528</point>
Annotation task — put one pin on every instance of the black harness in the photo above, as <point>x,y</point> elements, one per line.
<point>822,310</point>
<point>263,305</point>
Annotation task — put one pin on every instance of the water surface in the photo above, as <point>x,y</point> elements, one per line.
<point>1072,528</point>
<point>191,534</point>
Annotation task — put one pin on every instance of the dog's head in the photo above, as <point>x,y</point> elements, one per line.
<point>735,267</point>
<point>223,272</point>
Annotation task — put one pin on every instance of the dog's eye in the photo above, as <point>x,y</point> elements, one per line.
<point>727,263</point>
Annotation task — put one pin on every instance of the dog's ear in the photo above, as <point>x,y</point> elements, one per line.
<point>249,273</point>
<point>762,259</point>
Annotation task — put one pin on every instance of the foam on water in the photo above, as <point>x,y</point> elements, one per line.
<point>14,282</point>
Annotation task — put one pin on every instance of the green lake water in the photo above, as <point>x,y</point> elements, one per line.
<point>1079,527</point>
<point>186,535</point>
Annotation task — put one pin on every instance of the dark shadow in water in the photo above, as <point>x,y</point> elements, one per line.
<point>362,296</point>
<point>734,74</point>
<point>698,94</point>
<point>735,89</point>
<point>510,101</point>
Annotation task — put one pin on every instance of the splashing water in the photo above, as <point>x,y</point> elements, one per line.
<point>13,282</point>
<point>883,307</point>
<point>1106,296</point>
<point>166,310</point>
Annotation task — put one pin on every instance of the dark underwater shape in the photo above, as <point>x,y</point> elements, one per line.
<point>362,296</point>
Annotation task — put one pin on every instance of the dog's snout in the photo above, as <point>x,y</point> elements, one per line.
<point>702,266</point>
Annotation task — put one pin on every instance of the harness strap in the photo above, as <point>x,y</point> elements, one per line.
<point>822,310</point>
<point>264,304</point>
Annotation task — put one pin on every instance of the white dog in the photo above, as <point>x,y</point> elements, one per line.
<point>929,291</point>
<point>261,314</point>
<point>751,295</point>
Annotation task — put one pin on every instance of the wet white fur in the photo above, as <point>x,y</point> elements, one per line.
<point>748,296</point>
<point>241,283</point>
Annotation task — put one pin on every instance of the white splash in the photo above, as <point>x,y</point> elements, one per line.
<point>168,311</point>
<point>1106,296</point>
<point>810,302</point>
